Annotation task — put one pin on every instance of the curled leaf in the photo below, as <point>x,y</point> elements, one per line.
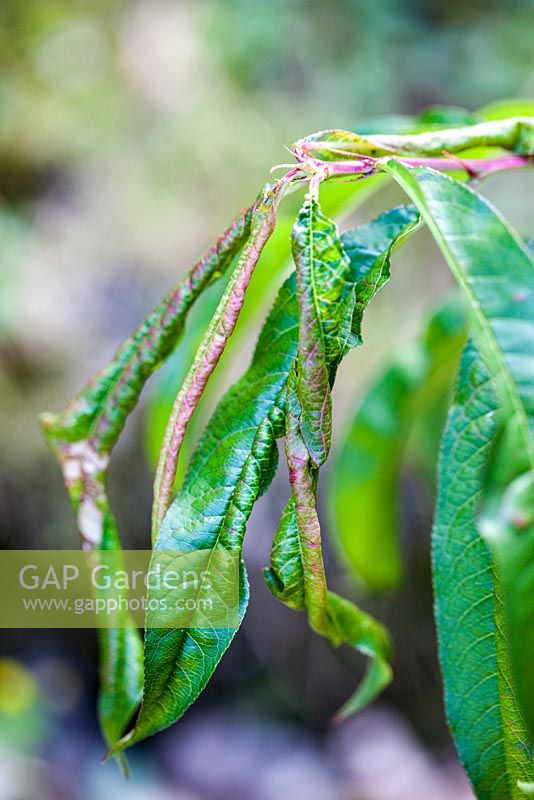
<point>82,437</point>
<point>321,268</point>
<point>480,700</point>
<point>209,351</point>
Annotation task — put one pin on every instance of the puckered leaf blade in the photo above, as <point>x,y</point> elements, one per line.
<point>231,465</point>
<point>296,575</point>
<point>83,436</point>
<point>321,267</point>
<point>179,663</point>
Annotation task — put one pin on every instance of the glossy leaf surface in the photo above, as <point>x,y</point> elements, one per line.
<point>321,268</point>
<point>511,535</point>
<point>481,706</point>
<point>296,575</point>
<point>496,274</point>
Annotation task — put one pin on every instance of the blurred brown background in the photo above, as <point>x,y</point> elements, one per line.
<point>130,133</point>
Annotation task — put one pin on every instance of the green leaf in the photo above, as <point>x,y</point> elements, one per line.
<point>369,248</point>
<point>83,436</point>
<point>120,660</point>
<point>296,575</point>
<point>210,349</point>
<point>234,461</point>
<point>511,535</point>
<point>350,625</point>
<point>321,267</point>
<point>366,473</point>
<point>495,272</point>
<point>98,413</point>
<point>336,199</point>
<point>480,703</point>
<point>516,134</point>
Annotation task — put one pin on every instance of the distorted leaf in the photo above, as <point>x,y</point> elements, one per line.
<point>321,267</point>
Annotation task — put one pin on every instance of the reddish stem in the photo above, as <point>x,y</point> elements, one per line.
<point>365,165</point>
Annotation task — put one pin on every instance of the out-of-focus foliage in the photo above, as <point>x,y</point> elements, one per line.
<point>364,485</point>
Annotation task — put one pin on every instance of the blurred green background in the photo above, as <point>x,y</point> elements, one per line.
<point>130,133</point>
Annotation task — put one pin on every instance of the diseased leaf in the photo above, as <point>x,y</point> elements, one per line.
<point>480,703</point>
<point>336,199</point>
<point>297,578</point>
<point>98,413</point>
<point>321,267</point>
<point>516,134</point>
<point>296,575</point>
<point>82,437</point>
<point>366,473</point>
<point>210,349</point>
<point>233,462</point>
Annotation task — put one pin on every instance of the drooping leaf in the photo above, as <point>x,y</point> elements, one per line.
<point>321,267</point>
<point>515,134</point>
<point>338,199</point>
<point>234,461</point>
<point>366,473</point>
<point>98,413</point>
<point>84,434</point>
<point>369,248</point>
<point>481,707</point>
<point>302,479</point>
<point>210,349</point>
<point>296,575</point>
<point>120,659</point>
